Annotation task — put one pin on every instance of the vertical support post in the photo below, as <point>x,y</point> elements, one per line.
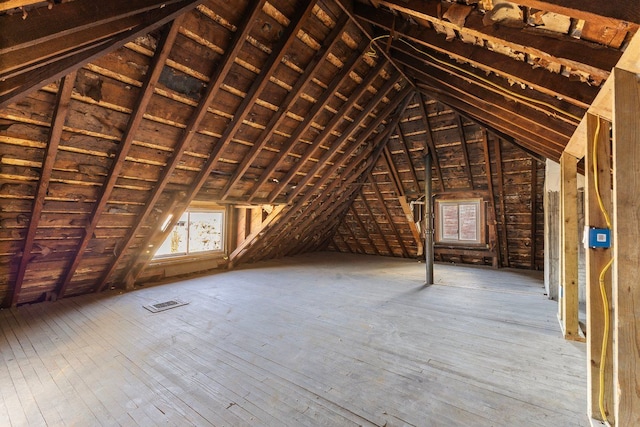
<point>428,220</point>
<point>569,249</point>
<point>626,234</point>
<point>596,260</point>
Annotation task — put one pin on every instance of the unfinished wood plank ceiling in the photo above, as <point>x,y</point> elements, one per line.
<point>115,116</point>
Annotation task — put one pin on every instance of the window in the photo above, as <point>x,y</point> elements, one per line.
<point>460,221</point>
<point>197,230</point>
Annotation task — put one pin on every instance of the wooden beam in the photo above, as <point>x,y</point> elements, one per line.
<point>304,80</point>
<point>216,81</point>
<point>356,215</point>
<point>72,52</point>
<point>387,214</point>
<point>534,211</point>
<point>405,150</point>
<point>504,242</point>
<point>626,235</point>
<point>320,104</point>
<point>540,79</point>
<point>139,109</point>
<point>569,242</point>
<point>259,84</point>
<point>596,260</point>
<point>569,53</point>
<point>494,241</point>
<point>504,122</point>
<point>379,142</point>
<point>354,237</point>
<point>430,143</point>
<point>602,105</point>
<point>465,151</point>
<point>275,213</point>
<point>367,208</point>
<point>55,132</point>
<point>327,131</point>
<point>602,13</point>
<point>543,111</point>
<point>343,140</point>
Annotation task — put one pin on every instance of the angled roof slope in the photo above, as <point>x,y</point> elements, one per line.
<point>115,115</point>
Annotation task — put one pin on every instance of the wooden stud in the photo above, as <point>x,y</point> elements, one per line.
<point>534,212</point>
<point>494,241</point>
<point>626,235</point>
<point>595,261</point>
<point>569,242</point>
<point>55,132</point>
<point>504,243</point>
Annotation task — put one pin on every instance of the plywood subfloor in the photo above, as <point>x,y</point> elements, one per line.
<point>317,340</point>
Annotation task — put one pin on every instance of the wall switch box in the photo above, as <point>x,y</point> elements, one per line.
<point>599,237</point>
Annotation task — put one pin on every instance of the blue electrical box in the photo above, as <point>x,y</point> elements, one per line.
<point>599,237</point>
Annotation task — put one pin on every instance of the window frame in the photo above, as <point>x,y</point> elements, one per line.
<point>199,208</point>
<point>441,236</point>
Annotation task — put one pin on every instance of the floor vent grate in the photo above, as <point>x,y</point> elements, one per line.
<point>166,305</point>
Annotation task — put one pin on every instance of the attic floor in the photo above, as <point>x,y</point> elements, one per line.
<point>320,339</point>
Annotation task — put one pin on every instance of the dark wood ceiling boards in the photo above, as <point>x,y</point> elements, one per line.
<point>115,117</point>
<point>529,77</point>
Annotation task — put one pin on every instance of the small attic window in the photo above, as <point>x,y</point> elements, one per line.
<point>198,230</point>
<point>460,222</point>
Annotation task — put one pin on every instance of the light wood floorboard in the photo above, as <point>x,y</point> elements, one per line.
<point>316,340</point>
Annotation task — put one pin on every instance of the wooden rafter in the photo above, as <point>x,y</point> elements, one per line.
<point>364,229</point>
<point>540,79</point>
<point>354,237</point>
<point>369,212</point>
<point>405,150</point>
<point>51,43</point>
<point>402,199</point>
<point>527,132</point>
<point>294,94</point>
<point>55,132</point>
<point>327,203</point>
<point>146,92</point>
<point>216,81</point>
<point>605,13</point>
<point>326,132</point>
<point>430,143</point>
<point>337,145</point>
<point>276,231</point>
<point>465,150</point>
<point>387,214</point>
<point>556,117</point>
<point>563,50</point>
<point>262,79</point>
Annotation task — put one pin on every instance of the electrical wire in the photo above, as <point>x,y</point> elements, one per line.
<point>601,281</point>
<point>373,53</point>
